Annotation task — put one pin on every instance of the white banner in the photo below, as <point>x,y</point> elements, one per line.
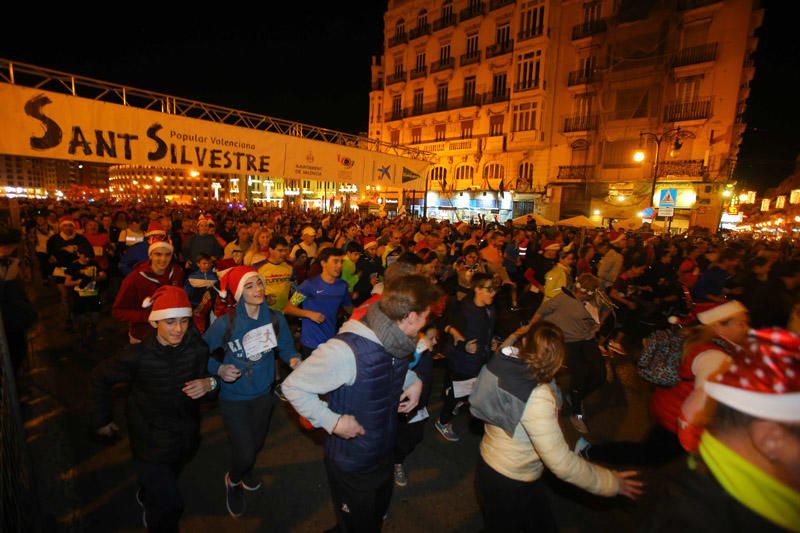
<point>51,125</point>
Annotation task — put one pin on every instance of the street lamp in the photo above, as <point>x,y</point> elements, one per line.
<point>639,155</point>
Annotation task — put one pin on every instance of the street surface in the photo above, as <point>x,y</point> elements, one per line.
<point>87,485</point>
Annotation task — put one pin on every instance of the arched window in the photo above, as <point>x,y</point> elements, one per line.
<point>438,174</point>
<point>422,18</point>
<point>464,173</point>
<point>525,179</point>
<point>493,171</point>
<point>400,27</point>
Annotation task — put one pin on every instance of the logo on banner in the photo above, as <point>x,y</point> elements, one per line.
<point>384,173</point>
<point>310,157</point>
<point>345,161</point>
<point>409,175</point>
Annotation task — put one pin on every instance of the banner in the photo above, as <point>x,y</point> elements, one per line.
<point>38,123</point>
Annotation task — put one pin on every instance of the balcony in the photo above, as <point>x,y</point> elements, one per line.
<point>442,64</point>
<point>435,107</point>
<point>694,55</point>
<point>475,10</point>
<point>498,49</point>
<point>683,111</point>
<point>580,123</point>
<point>526,85</point>
<point>471,57</point>
<point>692,168</point>
<point>501,95</point>
<point>419,31</point>
<point>418,72</point>
<point>587,29</point>
<point>394,114</point>
<point>575,172</point>
<point>399,38</point>
<point>444,22</point>
<point>685,5</point>
<point>470,99</point>
<point>377,85</point>
<point>497,4</point>
<point>530,33</point>
<point>581,77</point>
<point>397,77</point>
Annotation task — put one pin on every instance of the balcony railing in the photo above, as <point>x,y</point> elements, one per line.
<point>498,49</point>
<point>398,38</point>
<point>579,31</point>
<point>530,33</point>
<point>497,4</point>
<point>470,99</point>
<point>475,10</point>
<point>580,123</point>
<point>435,107</point>
<point>442,64</point>
<point>394,114</point>
<point>684,5</point>
<point>581,77</point>
<point>526,85</point>
<point>501,95</point>
<point>695,54</point>
<point>418,72</point>
<point>680,111</point>
<point>419,31</point>
<point>444,22</point>
<point>683,167</point>
<point>397,77</point>
<point>575,172</point>
<point>470,58</point>
<point>377,85</point>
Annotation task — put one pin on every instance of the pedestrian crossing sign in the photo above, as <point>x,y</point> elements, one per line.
<point>667,198</point>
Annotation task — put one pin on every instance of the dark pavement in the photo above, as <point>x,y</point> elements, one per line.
<point>87,485</point>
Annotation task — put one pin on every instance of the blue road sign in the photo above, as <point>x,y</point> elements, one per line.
<point>667,198</point>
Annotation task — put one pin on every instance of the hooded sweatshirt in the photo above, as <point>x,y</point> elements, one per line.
<point>137,286</point>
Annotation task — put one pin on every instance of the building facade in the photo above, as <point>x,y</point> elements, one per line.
<point>540,105</point>
<point>31,177</point>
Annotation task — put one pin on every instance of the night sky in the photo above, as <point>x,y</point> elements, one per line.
<point>309,62</point>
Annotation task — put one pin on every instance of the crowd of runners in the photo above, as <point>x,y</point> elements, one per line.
<point>345,315</point>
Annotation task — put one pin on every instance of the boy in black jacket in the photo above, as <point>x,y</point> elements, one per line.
<point>167,373</point>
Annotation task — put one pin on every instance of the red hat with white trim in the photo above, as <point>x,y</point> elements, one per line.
<point>721,312</point>
<point>234,280</point>
<point>155,228</point>
<point>168,301</point>
<point>765,383</point>
<point>159,244</point>
<point>66,220</point>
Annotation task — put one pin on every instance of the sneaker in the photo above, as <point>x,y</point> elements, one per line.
<point>582,447</point>
<point>234,497</point>
<point>400,477</point>
<point>616,348</point>
<point>604,351</point>
<point>447,431</point>
<point>459,405</point>
<point>579,424</point>
<point>140,497</point>
<point>279,393</point>
<point>250,482</point>
<point>144,519</point>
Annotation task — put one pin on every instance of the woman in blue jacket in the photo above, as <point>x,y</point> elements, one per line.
<point>249,335</point>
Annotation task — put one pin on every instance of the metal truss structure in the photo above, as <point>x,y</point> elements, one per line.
<point>52,80</point>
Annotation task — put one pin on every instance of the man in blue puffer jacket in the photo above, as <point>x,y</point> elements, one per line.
<point>249,336</point>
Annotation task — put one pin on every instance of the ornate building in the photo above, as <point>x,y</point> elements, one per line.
<point>552,99</point>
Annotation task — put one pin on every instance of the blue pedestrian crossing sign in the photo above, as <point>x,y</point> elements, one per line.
<point>667,198</point>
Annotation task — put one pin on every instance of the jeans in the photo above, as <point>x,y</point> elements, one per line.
<point>247,423</point>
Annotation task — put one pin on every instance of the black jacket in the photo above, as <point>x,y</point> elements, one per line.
<point>164,423</point>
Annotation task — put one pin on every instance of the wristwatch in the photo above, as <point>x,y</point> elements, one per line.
<point>213,382</point>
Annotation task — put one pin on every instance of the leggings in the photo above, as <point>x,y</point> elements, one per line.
<point>587,371</point>
<point>247,423</point>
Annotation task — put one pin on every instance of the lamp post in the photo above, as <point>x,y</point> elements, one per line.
<point>639,155</point>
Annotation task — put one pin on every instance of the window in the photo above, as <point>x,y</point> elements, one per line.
<point>419,65</point>
<point>397,106</point>
<point>531,19</point>
<point>395,136</point>
<point>496,125</point>
<point>528,68</point>
<point>586,65</point>
<point>447,9</point>
<point>441,96</point>
<point>466,129</point>
<point>418,99</point>
<point>503,34</point>
<point>438,174</point>
<point>444,53</point>
<point>591,12</point>
<point>422,19</point>
<point>499,85</point>
<point>619,154</point>
<point>465,172</point>
<point>493,171</point>
<point>524,117</point>
<point>688,89</point>
<point>398,66</point>
<point>440,132</point>
<point>416,135</point>
<point>631,103</point>
<point>400,28</point>
<point>582,105</point>
<point>472,45</point>
<point>469,91</point>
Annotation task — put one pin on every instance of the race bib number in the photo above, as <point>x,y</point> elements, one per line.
<point>258,341</point>
<point>462,389</point>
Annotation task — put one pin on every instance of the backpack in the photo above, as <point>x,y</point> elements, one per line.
<point>661,358</point>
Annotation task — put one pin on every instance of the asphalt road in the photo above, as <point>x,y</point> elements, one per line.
<point>88,485</point>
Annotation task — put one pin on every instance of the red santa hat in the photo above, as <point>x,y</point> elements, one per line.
<point>551,246</point>
<point>721,312</point>
<point>234,279</point>
<point>159,244</point>
<point>66,220</point>
<point>765,383</point>
<point>168,301</point>
<point>155,228</point>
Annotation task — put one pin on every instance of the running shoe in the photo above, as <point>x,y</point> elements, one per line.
<point>447,431</point>
<point>279,393</point>
<point>250,482</point>
<point>400,477</point>
<point>616,347</point>
<point>234,497</point>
